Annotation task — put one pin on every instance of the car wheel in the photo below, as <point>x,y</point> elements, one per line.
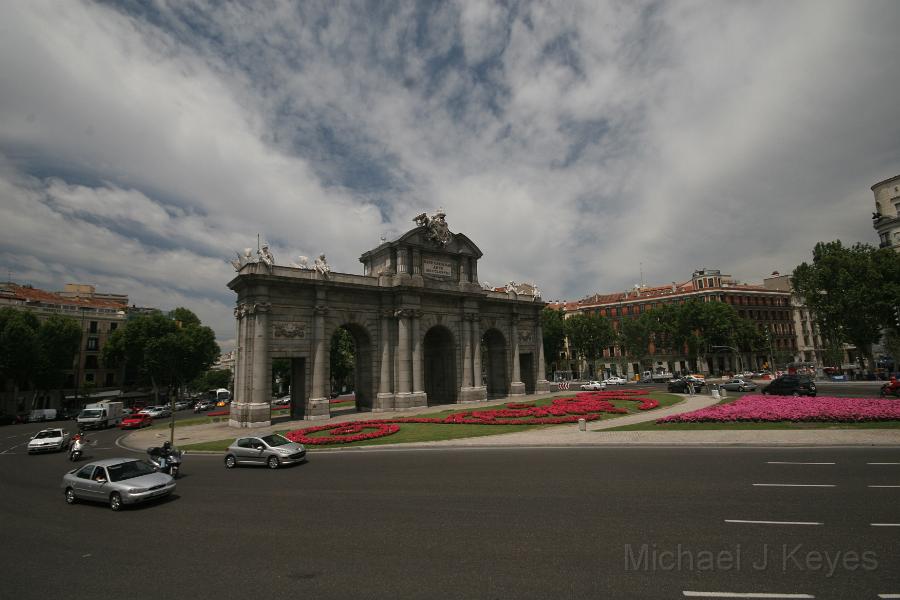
<point>230,462</point>
<point>115,501</point>
<point>70,496</point>
<point>273,462</point>
<point>795,394</point>
<point>742,389</point>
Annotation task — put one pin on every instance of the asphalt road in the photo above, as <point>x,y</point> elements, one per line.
<point>505,523</point>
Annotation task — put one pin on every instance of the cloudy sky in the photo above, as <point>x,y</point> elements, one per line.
<point>142,143</point>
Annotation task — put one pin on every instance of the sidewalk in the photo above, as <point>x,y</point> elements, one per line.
<point>560,435</point>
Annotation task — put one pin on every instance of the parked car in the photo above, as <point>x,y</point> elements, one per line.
<point>791,385</point>
<point>136,421</point>
<point>184,404</point>
<point>271,450</point>
<point>49,440</point>
<point>6,419</point>
<point>614,380</point>
<point>739,385</point>
<point>116,481</point>
<point>283,401</point>
<point>593,385</point>
<point>679,386</point>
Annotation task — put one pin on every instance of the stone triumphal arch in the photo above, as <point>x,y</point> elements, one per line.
<point>425,330</point>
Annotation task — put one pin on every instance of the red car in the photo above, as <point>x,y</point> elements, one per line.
<point>136,421</point>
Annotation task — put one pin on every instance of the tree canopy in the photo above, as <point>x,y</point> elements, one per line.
<point>589,334</point>
<point>853,291</point>
<point>553,330</point>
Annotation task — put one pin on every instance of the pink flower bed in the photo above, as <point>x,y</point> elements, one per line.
<point>788,408</point>
<point>585,405</point>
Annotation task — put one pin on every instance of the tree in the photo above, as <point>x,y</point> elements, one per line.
<point>589,334</point>
<point>635,335</point>
<point>852,290</point>
<point>58,339</point>
<point>553,329</point>
<point>19,347</point>
<point>161,350</point>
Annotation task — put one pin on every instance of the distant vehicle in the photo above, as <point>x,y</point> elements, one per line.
<point>49,440</point>
<point>182,405</point>
<point>219,395</point>
<point>791,385</point>
<point>204,405</point>
<point>593,385</point>
<point>658,376</point>
<point>116,481</point>
<point>283,401</point>
<point>738,384</point>
<point>270,450</point>
<point>680,386</point>
<point>6,419</point>
<point>614,380</point>
<point>158,412</point>
<point>100,415</point>
<point>136,421</point>
<point>42,414</point>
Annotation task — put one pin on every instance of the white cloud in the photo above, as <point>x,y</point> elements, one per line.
<point>570,141</point>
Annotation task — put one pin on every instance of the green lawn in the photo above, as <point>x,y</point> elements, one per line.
<point>427,432</point>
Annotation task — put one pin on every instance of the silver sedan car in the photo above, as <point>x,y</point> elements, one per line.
<point>117,482</point>
<point>271,450</point>
<point>739,385</point>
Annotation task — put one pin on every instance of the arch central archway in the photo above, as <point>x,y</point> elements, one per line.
<point>440,366</point>
<point>495,364</point>
<point>363,366</point>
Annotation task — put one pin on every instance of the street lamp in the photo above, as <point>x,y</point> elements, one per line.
<point>736,353</point>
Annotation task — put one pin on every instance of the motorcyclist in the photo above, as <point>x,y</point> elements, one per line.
<point>893,385</point>
<point>78,442</point>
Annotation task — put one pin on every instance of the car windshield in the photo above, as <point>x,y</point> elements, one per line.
<point>92,412</point>
<point>48,434</point>
<point>276,440</point>
<point>129,470</point>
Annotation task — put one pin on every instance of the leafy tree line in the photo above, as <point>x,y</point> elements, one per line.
<point>162,351</point>
<point>34,354</point>
<point>692,327</point>
<point>854,292</point>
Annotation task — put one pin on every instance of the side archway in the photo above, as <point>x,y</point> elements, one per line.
<point>494,361</point>
<point>440,366</point>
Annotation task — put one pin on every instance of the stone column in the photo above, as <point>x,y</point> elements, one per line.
<point>253,409</point>
<point>479,390</point>
<point>240,397</point>
<point>417,262</point>
<point>317,405</point>
<point>516,386</point>
<point>403,359</point>
<point>541,385</point>
<point>418,397</point>
<point>466,324</point>
<point>385,400</point>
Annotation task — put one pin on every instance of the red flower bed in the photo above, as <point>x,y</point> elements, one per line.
<point>218,413</point>
<point>585,405</point>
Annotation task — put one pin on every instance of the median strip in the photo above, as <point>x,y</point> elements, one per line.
<point>773,522</point>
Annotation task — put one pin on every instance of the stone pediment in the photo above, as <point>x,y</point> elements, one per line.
<point>458,243</point>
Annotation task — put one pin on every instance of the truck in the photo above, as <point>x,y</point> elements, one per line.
<point>100,415</point>
<point>659,376</point>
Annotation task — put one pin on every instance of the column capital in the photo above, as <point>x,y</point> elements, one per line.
<point>320,310</point>
<point>257,307</point>
<point>401,313</point>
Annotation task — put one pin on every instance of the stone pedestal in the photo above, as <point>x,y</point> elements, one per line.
<point>541,386</point>
<point>418,399</point>
<point>250,415</point>
<point>317,409</point>
<point>516,388</point>
<point>384,402</point>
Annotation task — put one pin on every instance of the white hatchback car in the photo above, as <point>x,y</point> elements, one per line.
<point>614,380</point>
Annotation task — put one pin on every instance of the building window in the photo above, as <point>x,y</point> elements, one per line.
<point>89,378</point>
<point>113,326</point>
<point>93,343</point>
<point>90,361</point>
<point>110,379</point>
<point>93,327</point>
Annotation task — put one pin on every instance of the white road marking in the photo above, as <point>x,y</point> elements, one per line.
<point>885,524</point>
<point>793,485</point>
<point>889,595</point>
<point>884,486</point>
<point>773,522</point>
<point>892,463</point>
<point>780,462</point>
<point>742,595</point>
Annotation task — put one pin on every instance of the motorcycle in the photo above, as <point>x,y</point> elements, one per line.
<point>168,462</point>
<point>887,390</point>
<point>76,451</point>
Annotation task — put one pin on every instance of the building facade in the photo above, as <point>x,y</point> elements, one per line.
<point>770,309</point>
<point>98,315</point>
<point>886,218</point>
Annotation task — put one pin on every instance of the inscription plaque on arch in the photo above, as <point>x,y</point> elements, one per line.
<point>437,268</point>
